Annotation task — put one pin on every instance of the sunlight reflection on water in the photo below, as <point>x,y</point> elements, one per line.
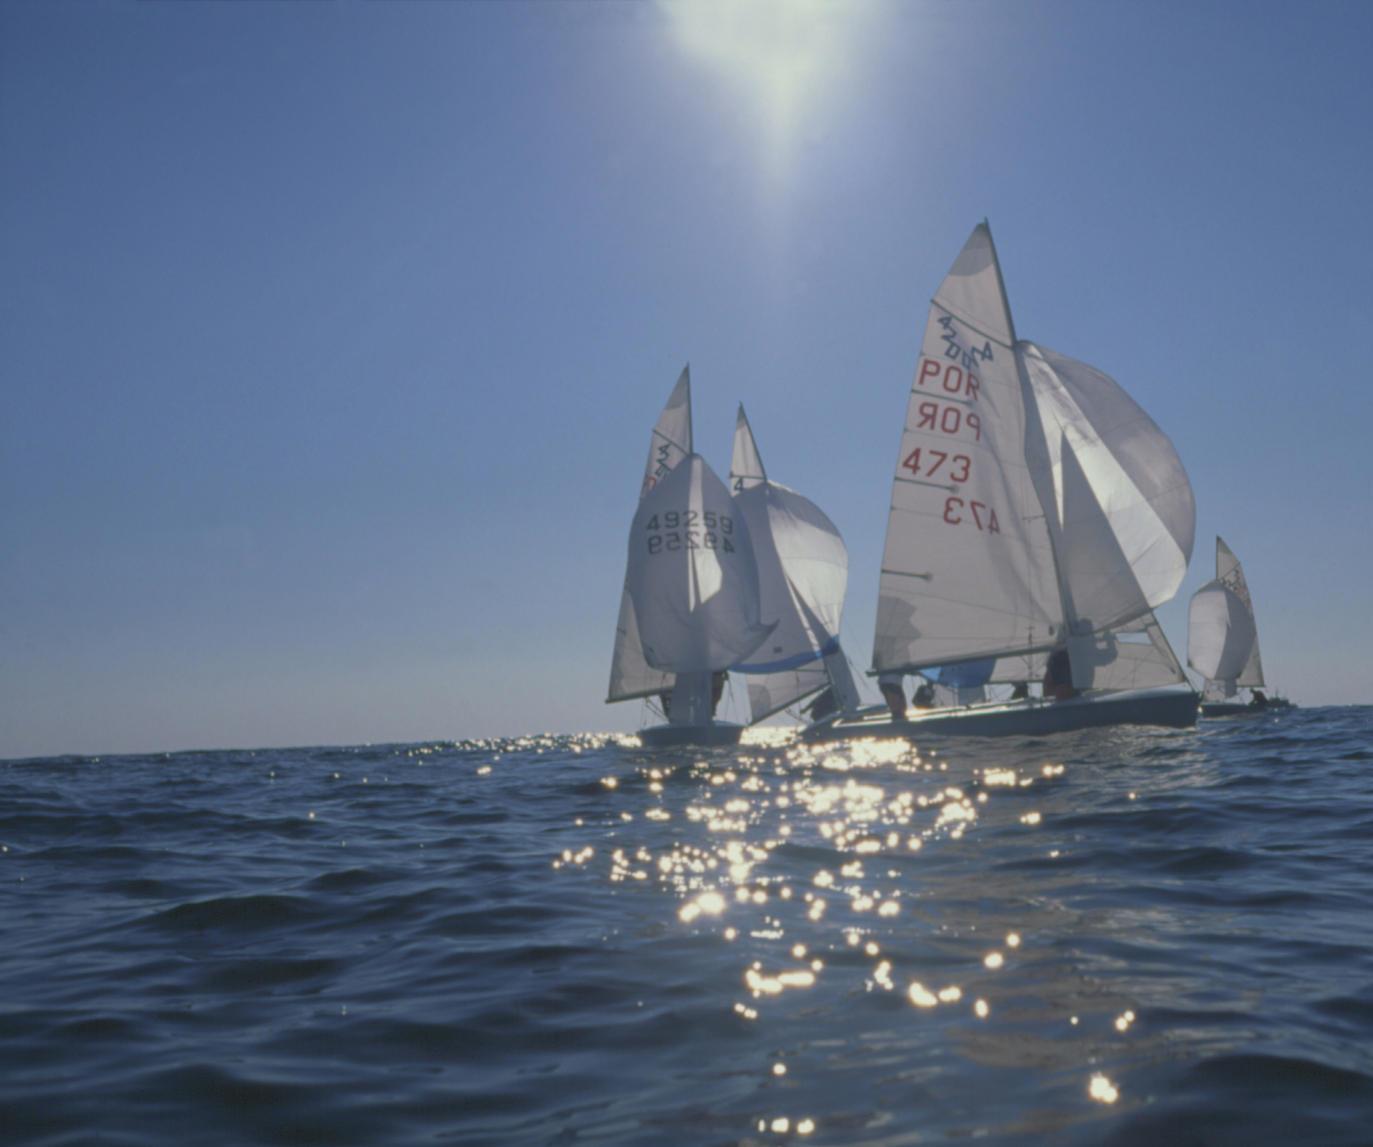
<point>803,857</point>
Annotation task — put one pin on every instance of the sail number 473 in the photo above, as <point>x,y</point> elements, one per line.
<point>925,463</point>
<point>959,510</point>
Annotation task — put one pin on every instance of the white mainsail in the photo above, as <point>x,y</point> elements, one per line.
<point>1066,515</point>
<point>692,575</point>
<point>968,568</point>
<point>802,572</point>
<point>1222,637</point>
<point>630,674</point>
<point>1231,574</point>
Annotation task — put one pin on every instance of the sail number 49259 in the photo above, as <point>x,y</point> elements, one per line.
<point>690,530</point>
<point>957,511</point>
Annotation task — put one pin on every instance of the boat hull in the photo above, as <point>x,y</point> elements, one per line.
<point>1032,717</point>
<point>671,736</point>
<point>1241,709</point>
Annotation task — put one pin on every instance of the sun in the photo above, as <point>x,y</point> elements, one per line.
<point>783,52</point>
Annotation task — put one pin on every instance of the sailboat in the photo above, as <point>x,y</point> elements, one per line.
<point>803,569</point>
<point>1223,642</point>
<point>689,610</point>
<point>1036,512</point>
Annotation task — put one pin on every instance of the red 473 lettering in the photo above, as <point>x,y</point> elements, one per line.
<point>925,463</point>
<point>958,510</point>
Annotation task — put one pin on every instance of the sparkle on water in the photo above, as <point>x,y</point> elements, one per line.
<point>885,808</point>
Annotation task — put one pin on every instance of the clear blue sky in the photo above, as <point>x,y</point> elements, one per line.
<point>331,335</point>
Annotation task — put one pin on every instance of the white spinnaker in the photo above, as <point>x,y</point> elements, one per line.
<point>1220,633</point>
<point>1231,574</point>
<point>1126,515</point>
<point>968,568</point>
<point>802,577</point>
<point>630,674</point>
<point>692,574</point>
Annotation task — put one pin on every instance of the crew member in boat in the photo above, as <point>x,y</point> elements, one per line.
<point>717,690</point>
<point>824,705</point>
<point>1021,691</point>
<point>893,693</point>
<point>1258,700</point>
<point>924,696</point>
<point>1058,676</point>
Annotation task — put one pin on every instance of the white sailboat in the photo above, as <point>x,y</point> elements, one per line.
<point>803,569</point>
<point>689,610</point>
<point>1223,642</point>
<point>1036,511</point>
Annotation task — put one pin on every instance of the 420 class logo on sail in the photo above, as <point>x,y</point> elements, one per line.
<point>968,357</point>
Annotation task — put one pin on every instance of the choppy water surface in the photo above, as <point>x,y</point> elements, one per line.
<point>1112,937</point>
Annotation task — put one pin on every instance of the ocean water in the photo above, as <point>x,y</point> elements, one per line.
<point>1122,936</point>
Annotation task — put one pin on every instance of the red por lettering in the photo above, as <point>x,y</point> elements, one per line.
<point>948,420</point>
<point>951,378</point>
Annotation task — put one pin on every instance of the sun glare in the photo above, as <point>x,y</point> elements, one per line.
<point>780,51</point>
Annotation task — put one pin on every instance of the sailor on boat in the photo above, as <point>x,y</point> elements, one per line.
<point>894,693</point>
<point>1058,676</point>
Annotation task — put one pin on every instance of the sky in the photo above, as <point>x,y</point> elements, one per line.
<point>331,335</point>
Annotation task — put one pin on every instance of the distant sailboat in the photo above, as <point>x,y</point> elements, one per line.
<point>1223,642</point>
<point>690,604</point>
<point>1036,510</point>
<point>802,574</point>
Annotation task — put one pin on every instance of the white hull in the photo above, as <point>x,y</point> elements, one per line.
<point>1170,707</point>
